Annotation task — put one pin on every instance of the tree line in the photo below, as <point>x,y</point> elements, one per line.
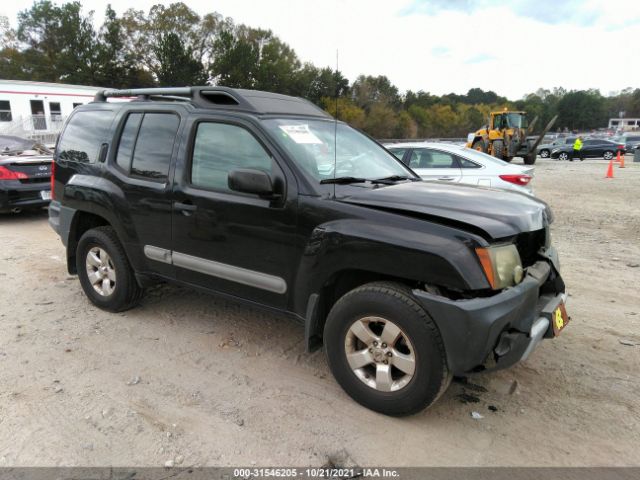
<point>174,46</point>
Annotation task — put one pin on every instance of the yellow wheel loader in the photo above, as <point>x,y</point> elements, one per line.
<point>505,136</point>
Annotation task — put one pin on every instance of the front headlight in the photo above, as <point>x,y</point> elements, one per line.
<point>555,150</point>
<point>502,265</point>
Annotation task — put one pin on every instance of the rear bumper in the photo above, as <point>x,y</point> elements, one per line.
<point>499,331</point>
<point>14,194</point>
<point>60,219</point>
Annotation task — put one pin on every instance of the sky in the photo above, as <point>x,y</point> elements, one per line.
<point>512,47</point>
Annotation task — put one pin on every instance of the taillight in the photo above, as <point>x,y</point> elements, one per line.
<point>53,172</point>
<point>517,179</point>
<point>621,147</point>
<point>6,174</point>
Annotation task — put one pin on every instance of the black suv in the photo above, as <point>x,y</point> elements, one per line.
<point>265,198</point>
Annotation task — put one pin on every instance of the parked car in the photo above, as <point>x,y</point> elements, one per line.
<point>25,174</point>
<point>630,141</point>
<point>544,150</point>
<point>243,193</point>
<point>591,148</point>
<point>457,164</point>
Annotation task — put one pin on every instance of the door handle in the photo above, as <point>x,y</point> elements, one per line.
<point>446,178</point>
<point>102,155</point>
<point>186,208</point>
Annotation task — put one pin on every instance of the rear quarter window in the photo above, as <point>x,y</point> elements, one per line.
<point>83,135</point>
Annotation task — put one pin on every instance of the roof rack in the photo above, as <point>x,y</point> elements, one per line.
<point>254,101</point>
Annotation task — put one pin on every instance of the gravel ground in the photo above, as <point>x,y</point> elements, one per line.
<point>197,380</point>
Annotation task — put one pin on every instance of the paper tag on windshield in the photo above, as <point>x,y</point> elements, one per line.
<point>300,134</point>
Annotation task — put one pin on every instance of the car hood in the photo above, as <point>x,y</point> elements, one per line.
<point>498,213</point>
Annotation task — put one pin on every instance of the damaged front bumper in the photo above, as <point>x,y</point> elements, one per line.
<point>499,331</point>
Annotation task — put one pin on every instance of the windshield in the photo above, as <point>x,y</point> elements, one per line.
<point>516,120</point>
<point>310,143</point>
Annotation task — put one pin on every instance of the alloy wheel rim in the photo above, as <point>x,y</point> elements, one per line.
<point>380,354</point>
<point>100,271</point>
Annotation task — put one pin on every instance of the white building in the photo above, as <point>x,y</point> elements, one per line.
<point>37,110</point>
<point>624,124</point>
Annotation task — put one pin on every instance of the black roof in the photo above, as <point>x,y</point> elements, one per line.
<point>225,98</point>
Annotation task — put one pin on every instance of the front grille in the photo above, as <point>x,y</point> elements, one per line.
<point>528,245</point>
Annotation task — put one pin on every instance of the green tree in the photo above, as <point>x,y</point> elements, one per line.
<point>381,121</point>
<point>176,65</point>
<point>368,91</point>
<point>235,60</point>
<point>116,66</point>
<point>348,111</point>
<point>315,83</point>
<point>60,43</point>
<point>169,39</point>
<point>582,109</point>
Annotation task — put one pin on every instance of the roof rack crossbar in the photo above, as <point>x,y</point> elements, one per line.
<point>220,97</point>
<point>102,95</point>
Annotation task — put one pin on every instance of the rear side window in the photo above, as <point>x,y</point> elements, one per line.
<point>424,158</point>
<point>83,135</point>
<point>220,148</point>
<point>146,144</point>
<point>127,141</point>
<point>398,152</point>
<point>464,163</point>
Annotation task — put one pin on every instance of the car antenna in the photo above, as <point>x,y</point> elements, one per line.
<point>335,129</point>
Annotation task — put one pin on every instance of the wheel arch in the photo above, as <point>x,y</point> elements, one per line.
<point>341,282</point>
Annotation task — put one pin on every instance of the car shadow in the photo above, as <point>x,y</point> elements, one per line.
<point>26,216</point>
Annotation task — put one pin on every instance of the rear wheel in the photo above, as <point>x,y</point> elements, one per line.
<point>104,271</point>
<point>385,351</point>
<point>479,145</point>
<point>497,149</point>
<point>608,155</point>
<point>544,153</point>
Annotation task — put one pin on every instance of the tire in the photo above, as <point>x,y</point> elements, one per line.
<point>608,155</point>
<point>115,288</point>
<point>564,156</point>
<point>375,310</point>
<point>497,149</point>
<point>507,159</point>
<point>479,145</point>
<point>544,153</point>
<point>530,158</point>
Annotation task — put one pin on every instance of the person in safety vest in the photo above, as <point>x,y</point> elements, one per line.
<point>577,149</point>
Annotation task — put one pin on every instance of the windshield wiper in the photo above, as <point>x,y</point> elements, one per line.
<point>347,180</point>
<point>343,180</point>
<point>394,178</point>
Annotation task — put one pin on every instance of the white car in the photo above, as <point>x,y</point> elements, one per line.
<point>447,162</point>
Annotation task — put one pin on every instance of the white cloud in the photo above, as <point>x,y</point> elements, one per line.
<point>511,48</point>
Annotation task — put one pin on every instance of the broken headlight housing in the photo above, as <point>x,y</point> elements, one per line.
<point>502,265</point>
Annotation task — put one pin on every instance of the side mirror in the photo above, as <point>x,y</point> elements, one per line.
<point>249,180</point>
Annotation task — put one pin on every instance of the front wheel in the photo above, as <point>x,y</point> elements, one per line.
<point>480,146</point>
<point>104,271</point>
<point>385,351</point>
<point>497,149</point>
<point>563,156</point>
<point>608,155</point>
<point>530,158</point>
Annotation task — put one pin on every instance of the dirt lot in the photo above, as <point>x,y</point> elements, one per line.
<point>200,381</point>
